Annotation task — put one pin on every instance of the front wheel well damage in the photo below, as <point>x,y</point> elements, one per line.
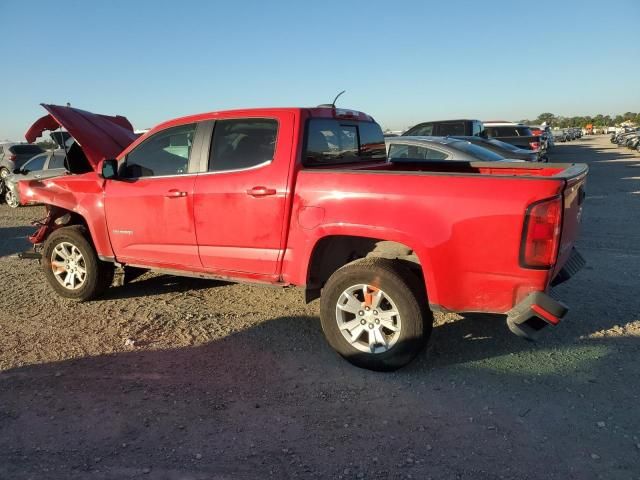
<point>57,217</point>
<point>334,252</point>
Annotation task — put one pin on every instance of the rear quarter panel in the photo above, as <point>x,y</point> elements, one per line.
<point>465,229</point>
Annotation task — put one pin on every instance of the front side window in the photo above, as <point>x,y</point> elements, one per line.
<point>414,152</point>
<point>36,163</point>
<point>164,153</point>
<point>242,143</point>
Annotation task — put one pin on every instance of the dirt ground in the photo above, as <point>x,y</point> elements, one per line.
<point>236,382</point>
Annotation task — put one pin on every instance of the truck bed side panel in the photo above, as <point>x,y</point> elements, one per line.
<point>465,229</point>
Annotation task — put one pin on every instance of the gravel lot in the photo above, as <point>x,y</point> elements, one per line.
<point>236,382</point>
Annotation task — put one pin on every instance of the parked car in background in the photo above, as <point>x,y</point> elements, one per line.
<point>514,133</point>
<point>45,165</point>
<point>406,149</point>
<point>543,134</point>
<point>280,196</point>
<point>560,135</point>
<point>445,128</point>
<point>14,155</point>
<point>507,150</point>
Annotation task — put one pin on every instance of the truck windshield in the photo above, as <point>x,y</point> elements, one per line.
<point>333,141</point>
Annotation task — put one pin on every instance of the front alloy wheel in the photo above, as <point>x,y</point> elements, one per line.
<point>69,267</point>
<point>368,318</point>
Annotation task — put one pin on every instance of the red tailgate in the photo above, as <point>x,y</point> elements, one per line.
<point>573,199</point>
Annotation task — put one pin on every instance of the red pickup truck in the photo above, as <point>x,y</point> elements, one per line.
<point>306,197</point>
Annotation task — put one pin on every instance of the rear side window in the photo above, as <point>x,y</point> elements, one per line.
<point>334,141</point>
<point>165,153</point>
<point>242,143</point>
<point>25,149</point>
<point>398,151</point>
<point>423,130</point>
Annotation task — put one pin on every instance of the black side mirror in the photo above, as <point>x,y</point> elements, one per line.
<point>110,169</point>
<point>23,171</point>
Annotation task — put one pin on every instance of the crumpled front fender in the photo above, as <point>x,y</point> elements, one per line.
<point>80,195</point>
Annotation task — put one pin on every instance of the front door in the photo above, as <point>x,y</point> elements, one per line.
<point>239,204</point>
<point>149,207</point>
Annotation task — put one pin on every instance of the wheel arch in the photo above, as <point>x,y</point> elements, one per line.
<point>331,252</point>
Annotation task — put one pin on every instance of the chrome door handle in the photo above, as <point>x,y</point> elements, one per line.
<point>261,191</point>
<point>175,194</point>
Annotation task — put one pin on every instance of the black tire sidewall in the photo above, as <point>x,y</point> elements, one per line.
<point>401,286</point>
<point>93,284</point>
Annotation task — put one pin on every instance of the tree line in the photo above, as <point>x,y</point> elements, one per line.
<point>596,120</point>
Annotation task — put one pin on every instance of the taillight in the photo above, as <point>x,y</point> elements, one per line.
<point>541,235</point>
<point>535,146</point>
<point>12,157</point>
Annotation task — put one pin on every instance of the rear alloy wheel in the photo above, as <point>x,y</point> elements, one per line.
<point>4,173</point>
<point>374,313</point>
<point>72,267</point>
<point>12,199</point>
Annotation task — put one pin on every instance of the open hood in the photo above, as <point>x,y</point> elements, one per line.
<point>101,136</point>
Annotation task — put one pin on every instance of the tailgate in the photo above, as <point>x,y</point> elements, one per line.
<point>573,198</point>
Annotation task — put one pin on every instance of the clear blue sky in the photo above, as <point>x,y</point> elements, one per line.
<point>400,61</point>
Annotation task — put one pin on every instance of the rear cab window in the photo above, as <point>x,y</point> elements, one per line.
<point>335,141</point>
<point>450,129</point>
<point>509,131</point>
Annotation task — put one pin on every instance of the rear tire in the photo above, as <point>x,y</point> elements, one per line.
<point>72,267</point>
<point>382,344</point>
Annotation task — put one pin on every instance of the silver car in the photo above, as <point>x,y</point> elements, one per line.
<point>45,165</point>
<point>14,155</point>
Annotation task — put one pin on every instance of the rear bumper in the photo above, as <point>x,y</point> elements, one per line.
<point>539,310</point>
<point>534,313</point>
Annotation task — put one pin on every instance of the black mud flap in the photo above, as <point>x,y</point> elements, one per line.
<point>574,264</point>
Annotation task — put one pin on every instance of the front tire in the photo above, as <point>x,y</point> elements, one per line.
<point>374,314</point>
<point>72,267</point>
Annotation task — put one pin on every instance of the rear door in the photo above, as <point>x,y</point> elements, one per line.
<point>239,202</point>
<point>149,207</point>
